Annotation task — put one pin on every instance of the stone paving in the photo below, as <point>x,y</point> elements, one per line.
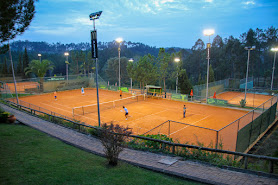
<point>185,169</point>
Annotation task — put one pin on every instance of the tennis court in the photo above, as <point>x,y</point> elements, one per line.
<point>252,99</point>
<point>23,87</point>
<point>201,122</point>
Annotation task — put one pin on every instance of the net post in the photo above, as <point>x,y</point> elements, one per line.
<point>72,112</point>
<point>83,110</point>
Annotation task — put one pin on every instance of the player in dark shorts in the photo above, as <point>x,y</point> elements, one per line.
<point>121,94</point>
<point>184,111</point>
<point>126,112</point>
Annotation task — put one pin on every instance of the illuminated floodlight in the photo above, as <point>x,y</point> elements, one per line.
<point>66,54</point>
<point>130,60</point>
<point>119,40</point>
<point>177,59</point>
<point>274,49</point>
<point>208,32</point>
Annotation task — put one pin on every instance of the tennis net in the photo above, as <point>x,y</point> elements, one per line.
<point>87,109</point>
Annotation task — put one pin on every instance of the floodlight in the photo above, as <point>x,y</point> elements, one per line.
<point>39,55</point>
<point>94,16</point>
<point>208,32</point>
<point>177,59</point>
<point>66,54</point>
<point>250,48</point>
<point>119,40</point>
<point>130,60</point>
<point>274,49</point>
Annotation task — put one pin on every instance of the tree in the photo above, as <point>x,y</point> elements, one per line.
<point>15,17</point>
<point>5,67</point>
<point>163,62</point>
<point>112,70</point>
<point>19,66</point>
<point>25,62</point>
<point>146,71</point>
<point>113,138</point>
<point>184,83</point>
<point>211,74</point>
<point>39,69</point>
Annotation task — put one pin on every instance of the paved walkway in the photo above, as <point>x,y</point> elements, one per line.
<point>186,169</point>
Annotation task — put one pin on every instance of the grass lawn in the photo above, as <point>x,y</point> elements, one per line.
<point>28,156</point>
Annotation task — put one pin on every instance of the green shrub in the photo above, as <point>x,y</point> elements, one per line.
<point>4,116</point>
<point>242,103</point>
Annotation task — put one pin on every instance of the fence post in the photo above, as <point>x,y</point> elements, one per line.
<point>250,135</point>
<point>245,162</point>
<point>163,146</point>
<point>216,145</point>
<point>173,149</point>
<point>169,129</point>
<point>270,166</point>
<point>237,133</point>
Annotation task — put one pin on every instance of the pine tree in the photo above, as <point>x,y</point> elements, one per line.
<point>19,66</point>
<point>211,74</point>
<point>5,67</point>
<point>184,83</point>
<point>25,63</point>
<point>10,69</point>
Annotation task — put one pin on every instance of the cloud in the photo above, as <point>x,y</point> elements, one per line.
<point>249,3</point>
<point>208,1</point>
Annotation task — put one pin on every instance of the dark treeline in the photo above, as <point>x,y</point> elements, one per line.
<point>228,59</point>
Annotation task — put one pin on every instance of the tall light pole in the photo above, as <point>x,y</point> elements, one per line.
<point>93,17</point>
<point>67,66</point>
<point>40,57</point>
<point>130,60</point>
<point>119,40</point>
<point>275,51</point>
<point>208,32</point>
<point>177,60</point>
<point>249,48</point>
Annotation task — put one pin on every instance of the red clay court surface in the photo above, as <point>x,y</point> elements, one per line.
<point>145,115</point>
<point>22,86</point>
<point>252,100</point>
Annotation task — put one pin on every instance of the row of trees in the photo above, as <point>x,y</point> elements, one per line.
<point>228,60</point>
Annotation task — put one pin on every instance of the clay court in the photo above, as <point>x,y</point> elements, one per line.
<point>200,124</point>
<point>252,99</point>
<point>21,87</point>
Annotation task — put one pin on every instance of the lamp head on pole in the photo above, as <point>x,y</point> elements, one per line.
<point>274,49</point>
<point>39,55</point>
<point>119,40</point>
<point>208,32</point>
<point>250,47</point>
<point>94,16</point>
<point>66,54</point>
<point>177,59</point>
<point>131,60</point>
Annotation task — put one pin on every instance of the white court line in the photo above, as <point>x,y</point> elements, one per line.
<point>171,108</point>
<point>189,125</point>
<point>56,108</point>
<point>67,111</point>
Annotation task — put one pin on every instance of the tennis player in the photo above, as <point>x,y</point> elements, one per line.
<point>126,112</point>
<point>82,91</point>
<point>55,95</point>
<point>121,93</point>
<point>184,111</point>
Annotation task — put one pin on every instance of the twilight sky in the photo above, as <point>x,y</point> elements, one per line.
<point>160,23</point>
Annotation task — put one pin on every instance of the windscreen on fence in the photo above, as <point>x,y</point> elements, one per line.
<point>259,119</point>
